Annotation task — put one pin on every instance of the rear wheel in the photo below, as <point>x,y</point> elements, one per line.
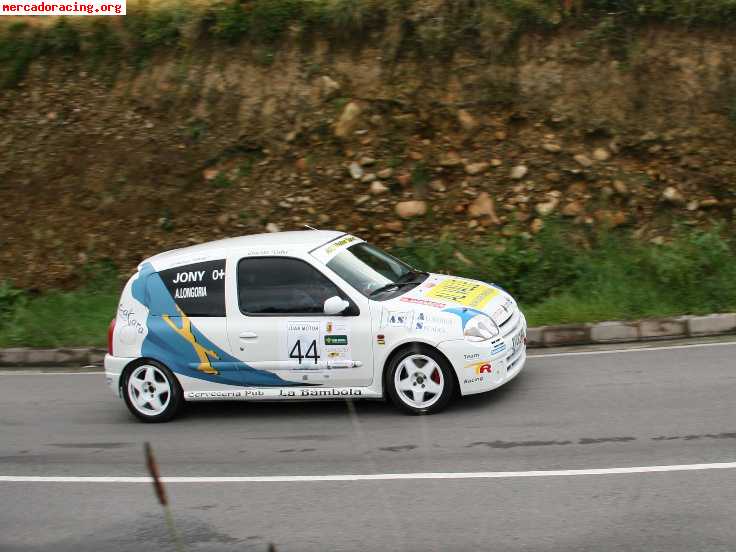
<point>152,392</point>
<point>420,381</point>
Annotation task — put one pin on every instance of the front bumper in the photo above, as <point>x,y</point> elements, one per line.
<point>481,367</point>
<point>114,366</point>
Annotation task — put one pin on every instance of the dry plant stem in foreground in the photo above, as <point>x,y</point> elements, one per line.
<point>160,491</point>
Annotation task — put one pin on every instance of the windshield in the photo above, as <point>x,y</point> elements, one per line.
<point>373,272</point>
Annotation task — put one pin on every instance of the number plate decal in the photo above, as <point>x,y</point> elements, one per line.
<point>517,340</point>
<point>315,344</point>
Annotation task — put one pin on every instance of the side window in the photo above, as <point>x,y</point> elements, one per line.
<point>282,285</point>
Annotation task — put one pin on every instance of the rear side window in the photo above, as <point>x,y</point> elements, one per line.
<point>282,285</point>
<point>198,289</point>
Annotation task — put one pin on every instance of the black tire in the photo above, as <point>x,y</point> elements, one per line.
<point>437,403</point>
<point>171,403</point>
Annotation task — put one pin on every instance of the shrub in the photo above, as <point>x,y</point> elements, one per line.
<point>10,297</point>
<point>559,280</point>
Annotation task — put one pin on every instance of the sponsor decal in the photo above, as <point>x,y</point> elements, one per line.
<point>336,340</point>
<point>421,322</point>
<point>471,356</point>
<point>479,371</point>
<point>424,302</point>
<point>198,289</point>
<point>480,367</point>
<point>381,339</point>
<point>349,392</point>
<point>469,294</point>
<point>215,394</point>
<point>498,348</point>
<point>334,246</point>
<point>266,252</point>
<point>224,394</point>
<point>429,323</point>
<point>129,328</point>
<point>127,317</point>
<point>296,393</point>
<point>396,319</point>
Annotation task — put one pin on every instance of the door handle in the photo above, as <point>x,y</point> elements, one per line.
<point>248,335</point>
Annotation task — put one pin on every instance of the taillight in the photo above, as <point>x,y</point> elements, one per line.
<point>110,332</point>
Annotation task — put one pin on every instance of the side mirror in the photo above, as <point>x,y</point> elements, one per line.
<point>335,305</point>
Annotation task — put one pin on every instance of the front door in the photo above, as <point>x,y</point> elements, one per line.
<point>279,325</point>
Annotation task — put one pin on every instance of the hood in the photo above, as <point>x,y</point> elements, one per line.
<point>459,296</point>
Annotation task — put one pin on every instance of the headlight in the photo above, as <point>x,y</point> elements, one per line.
<point>502,313</point>
<point>480,328</point>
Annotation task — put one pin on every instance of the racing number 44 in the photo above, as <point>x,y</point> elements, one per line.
<point>296,351</point>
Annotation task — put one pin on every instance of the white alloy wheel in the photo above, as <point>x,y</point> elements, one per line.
<point>419,381</point>
<point>149,390</point>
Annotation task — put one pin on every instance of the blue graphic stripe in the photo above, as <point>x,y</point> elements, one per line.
<point>165,344</point>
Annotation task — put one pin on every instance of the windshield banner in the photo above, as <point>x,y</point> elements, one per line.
<point>327,251</point>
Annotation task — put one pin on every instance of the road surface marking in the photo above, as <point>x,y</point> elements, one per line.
<point>368,477</point>
<point>37,373</point>
<point>634,350</point>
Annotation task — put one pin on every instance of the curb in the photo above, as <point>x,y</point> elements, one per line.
<point>629,332</point>
<point>29,357</point>
<point>539,337</point>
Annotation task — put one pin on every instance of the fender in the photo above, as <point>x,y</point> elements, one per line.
<point>404,344</point>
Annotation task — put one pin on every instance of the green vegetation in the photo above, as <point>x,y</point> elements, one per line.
<point>690,12</point>
<point>420,176</point>
<point>221,181</point>
<point>60,318</point>
<point>602,277</point>
<point>732,111</point>
<point>470,24</point>
<point>557,279</point>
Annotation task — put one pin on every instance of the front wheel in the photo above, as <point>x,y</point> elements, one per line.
<point>420,381</point>
<point>152,392</point>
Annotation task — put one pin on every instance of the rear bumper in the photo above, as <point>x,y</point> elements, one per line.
<point>114,366</point>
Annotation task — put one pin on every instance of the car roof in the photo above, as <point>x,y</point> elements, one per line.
<point>298,241</point>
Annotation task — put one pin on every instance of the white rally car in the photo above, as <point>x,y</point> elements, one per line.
<point>305,315</point>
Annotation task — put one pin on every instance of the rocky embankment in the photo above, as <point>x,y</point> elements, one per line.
<point>216,143</point>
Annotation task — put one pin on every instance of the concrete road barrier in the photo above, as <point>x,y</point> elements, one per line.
<point>542,336</point>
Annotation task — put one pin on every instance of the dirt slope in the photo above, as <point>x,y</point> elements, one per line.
<point>219,141</point>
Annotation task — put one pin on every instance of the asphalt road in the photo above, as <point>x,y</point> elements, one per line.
<point>669,406</point>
